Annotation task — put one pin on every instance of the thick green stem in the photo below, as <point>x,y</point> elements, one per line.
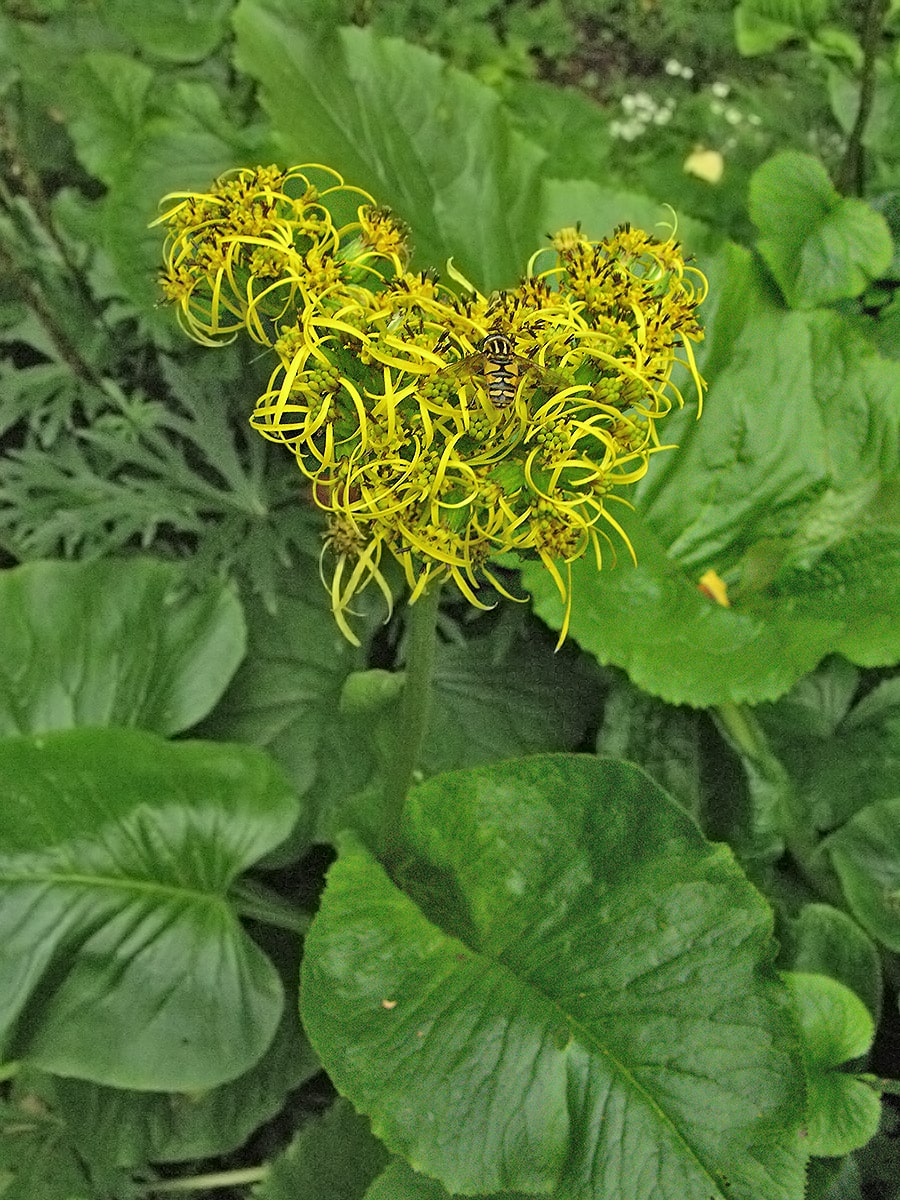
<point>200,1183</point>
<point>258,903</point>
<point>851,176</point>
<point>415,704</point>
<point>776,810</point>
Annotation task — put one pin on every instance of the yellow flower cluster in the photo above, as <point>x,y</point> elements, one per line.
<point>439,424</point>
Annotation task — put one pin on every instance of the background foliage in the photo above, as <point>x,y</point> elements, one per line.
<point>188,742</point>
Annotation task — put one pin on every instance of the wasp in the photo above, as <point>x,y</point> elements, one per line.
<point>500,369</point>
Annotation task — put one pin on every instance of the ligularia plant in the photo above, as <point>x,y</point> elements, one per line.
<point>436,423</point>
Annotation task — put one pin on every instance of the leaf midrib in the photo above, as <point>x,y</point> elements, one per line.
<point>139,886</point>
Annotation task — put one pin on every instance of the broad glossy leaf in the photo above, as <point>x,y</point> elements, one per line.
<point>674,642</point>
<point>819,245</point>
<point>817,705</point>
<point>178,30</point>
<point>866,855</point>
<point>114,642</point>
<point>493,700</point>
<point>564,990</point>
<point>286,698</point>
<point>124,962</point>
<point>332,1158</point>
<point>787,488</point>
<point>428,140</point>
<point>570,125</point>
<point>664,740</point>
<point>797,442</point>
<point>128,1129</point>
<point>847,763</point>
<point>843,1112</point>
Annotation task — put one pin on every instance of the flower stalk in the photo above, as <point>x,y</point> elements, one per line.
<point>415,707</point>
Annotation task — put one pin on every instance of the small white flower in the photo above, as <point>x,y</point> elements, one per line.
<point>627,131</point>
<point>673,66</point>
<point>720,89</point>
<point>733,116</point>
<point>686,72</point>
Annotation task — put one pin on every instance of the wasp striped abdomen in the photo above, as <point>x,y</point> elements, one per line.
<point>500,373</point>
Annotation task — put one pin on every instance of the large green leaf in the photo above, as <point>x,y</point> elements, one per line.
<point>819,245</point>
<point>673,641</point>
<point>107,95</point>
<point>124,962</point>
<point>788,488</point>
<point>793,457</point>
<point>286,698</point>
<point>180,30</point>
<point>845,764</point>
<point>866,855</point>
<point>496,699</point>
<point>113,643</point>
<point>665,741</point>
<point>122,1128</point>
<point>565,989</point>
<point>428,140</point>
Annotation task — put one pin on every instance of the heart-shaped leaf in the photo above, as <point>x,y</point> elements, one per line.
<point>115,642</point>
<point>564,990</point>
<point>128,1129</point>
<point>843,1112</point>
<point>819,245</point>
<point>124,962</point>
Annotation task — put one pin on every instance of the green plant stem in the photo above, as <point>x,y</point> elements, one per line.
<point>198,1183</point>
<point>851,176</point>
<point>775,805</point>
<point>251,899</point>
<point>415,704</point>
